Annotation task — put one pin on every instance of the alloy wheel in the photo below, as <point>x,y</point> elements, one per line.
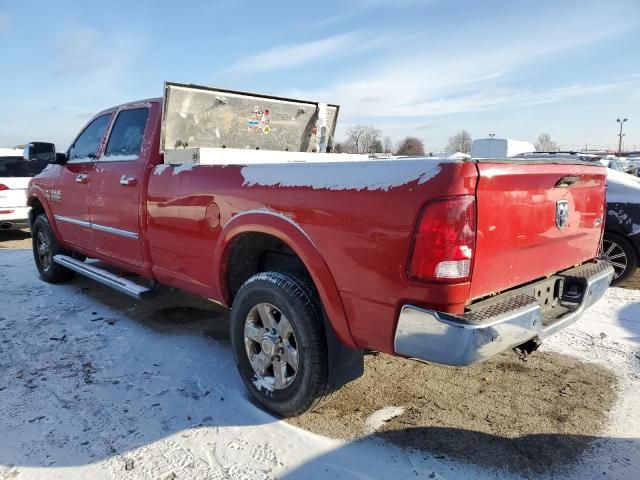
<point>44,250</point>
<point>271,346</point>
<point>614,254</point>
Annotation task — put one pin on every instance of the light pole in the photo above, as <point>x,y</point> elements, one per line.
<point>491,135</point>
<point>621,122</point>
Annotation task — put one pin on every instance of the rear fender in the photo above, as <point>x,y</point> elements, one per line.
<point>289,232</point>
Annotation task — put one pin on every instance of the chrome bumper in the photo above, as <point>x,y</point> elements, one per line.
<point>510,320</point>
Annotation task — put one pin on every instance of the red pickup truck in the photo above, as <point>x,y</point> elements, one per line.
<point>320,255</point>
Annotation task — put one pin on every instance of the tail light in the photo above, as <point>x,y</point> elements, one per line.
<point>445,240</point>
<point>3,187</point>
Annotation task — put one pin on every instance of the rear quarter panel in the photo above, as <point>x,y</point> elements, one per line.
<point>359,217</point>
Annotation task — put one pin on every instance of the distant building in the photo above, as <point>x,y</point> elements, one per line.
<point>499,147</point>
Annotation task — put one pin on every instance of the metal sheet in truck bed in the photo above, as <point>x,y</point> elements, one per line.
<point>196,116</point>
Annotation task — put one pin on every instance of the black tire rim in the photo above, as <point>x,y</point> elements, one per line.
<point>615,255</point>
<point>43,249</point>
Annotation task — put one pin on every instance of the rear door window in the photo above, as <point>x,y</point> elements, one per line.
<point>85,148</point>
<point>126,135</point>
<point>19,167</point>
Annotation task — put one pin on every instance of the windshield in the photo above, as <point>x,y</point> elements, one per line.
<point>19,167</point>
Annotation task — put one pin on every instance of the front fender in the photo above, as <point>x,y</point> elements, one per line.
<point>36,193</point>
<point>289,232</point>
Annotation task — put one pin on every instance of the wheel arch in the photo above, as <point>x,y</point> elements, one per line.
<point>38,203</point>
<point>292,235</point>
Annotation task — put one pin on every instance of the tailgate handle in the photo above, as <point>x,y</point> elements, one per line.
<point>566,181</point>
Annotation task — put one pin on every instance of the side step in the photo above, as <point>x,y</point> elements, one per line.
<point>100,275</point>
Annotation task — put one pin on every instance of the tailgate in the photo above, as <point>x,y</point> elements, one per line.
<point>534,219</point>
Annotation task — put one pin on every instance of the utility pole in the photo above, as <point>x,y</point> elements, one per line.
<point>621,122</point>
<point>490,150</point>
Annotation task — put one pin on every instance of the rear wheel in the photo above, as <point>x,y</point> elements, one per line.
<point>45,247</point>
<point>278,341</point>
<point>619,252</point>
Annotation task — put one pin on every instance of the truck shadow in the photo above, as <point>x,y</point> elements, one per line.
<point>91,375</point>
<point>458,453</point>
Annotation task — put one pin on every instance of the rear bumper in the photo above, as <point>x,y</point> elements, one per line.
<point>504,322</point>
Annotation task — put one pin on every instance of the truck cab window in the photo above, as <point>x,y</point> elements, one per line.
<point>85,147</point>
<point>126,135</point>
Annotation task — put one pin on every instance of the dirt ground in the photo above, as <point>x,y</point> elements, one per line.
<point>551,404</point>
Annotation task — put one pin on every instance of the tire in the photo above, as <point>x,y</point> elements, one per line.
<point>619,251</point>
<point>45,246</point>
<point>263,310</point>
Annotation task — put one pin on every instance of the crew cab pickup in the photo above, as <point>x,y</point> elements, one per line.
<point>237,197</point>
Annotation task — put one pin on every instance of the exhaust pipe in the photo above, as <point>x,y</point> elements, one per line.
<point>6,226</point>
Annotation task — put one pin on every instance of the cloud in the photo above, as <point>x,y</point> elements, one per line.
<point>292,56</point>
<point>358,8</point>
<point>295,55</point>
<point>463,77</point>
<point>4,23</point>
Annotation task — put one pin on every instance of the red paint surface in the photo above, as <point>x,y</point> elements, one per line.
<point>355,244</point>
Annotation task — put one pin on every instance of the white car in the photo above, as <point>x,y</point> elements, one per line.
<point>15,173</point>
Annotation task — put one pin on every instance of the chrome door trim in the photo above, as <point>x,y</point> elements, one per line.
<point>95,226</point>
<point>75,221</point>
<point>115,231</point>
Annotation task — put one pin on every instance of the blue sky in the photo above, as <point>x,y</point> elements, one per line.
<point>425,68</point>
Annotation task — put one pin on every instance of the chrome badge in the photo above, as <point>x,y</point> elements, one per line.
<point>562,213</point>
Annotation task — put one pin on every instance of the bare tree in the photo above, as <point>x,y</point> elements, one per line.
<point>387,144</point>
<point>545,144</point>
<point>410,146</point>
<point>360,138</point>
<point>460,142</point>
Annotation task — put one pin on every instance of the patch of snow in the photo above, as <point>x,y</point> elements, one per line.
<point>159,169</point>
<point>184,167</point>
<point>372,175</point>
<point>624,219</point>
<point>380,417</point>
<point>263,383</point>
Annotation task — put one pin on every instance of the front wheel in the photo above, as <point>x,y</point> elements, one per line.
<point>619,252</point>
<point>279,344</point>
<point>45,247</point>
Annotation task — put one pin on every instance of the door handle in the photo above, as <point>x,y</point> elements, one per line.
<point>124,180</point>
<point>82,178</point>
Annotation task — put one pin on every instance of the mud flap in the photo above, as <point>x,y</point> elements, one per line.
<point>345,364</point>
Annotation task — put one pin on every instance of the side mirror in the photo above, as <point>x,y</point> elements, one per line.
<point>41,151</point>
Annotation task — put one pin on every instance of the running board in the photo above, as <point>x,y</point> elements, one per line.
<point>106,278</point>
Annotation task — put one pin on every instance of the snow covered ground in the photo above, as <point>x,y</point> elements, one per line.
<point>92,386</point>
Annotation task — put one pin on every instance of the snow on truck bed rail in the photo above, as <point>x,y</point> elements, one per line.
<point>301,169</point>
